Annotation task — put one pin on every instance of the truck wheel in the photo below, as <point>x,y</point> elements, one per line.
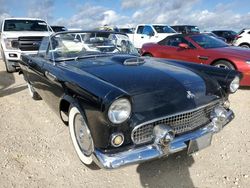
<point>224,64</point>
<point>81,137</point>
<point>34,95</point>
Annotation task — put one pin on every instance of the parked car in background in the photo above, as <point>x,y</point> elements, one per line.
<point>21,35</point>
<point>202,49</point>
<point>227,34</point>
<point>214,35</point>
<point>126,30</point>
<point>242,39</point>
<point>185,29</point>
<point>108,28</point>
<point>120,41</point>
<point>123,109</point>
<point>145,33</point>
<point>56,28</point>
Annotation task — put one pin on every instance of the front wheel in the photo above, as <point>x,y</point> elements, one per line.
<point>81,136</point>
<point>224,64</point>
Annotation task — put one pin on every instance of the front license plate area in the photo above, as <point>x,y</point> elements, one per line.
<point>199,143</point>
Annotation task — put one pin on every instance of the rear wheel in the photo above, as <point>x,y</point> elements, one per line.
<point>245,45</point>
<point>148,55</point>
<point>81,137</point>
<point>224,64</point>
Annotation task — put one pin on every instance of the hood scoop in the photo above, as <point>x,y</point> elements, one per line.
<point>134,61</point>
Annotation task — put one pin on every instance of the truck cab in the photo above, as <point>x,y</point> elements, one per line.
<point>21,35</point>
<point>147,33</point>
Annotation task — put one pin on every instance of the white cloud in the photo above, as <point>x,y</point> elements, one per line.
<point>89,17</point>
<point>41,9</point>
<point>127,4</point>
<point>182,12</point>
<point>4,13</point>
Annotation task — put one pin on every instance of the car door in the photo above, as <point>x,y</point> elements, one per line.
<point>169,48</point>
<point>148,35</point>
<point>138,37</point>
<point>45,76</point>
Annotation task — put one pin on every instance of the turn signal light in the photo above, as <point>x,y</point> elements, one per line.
<point>117,139</point>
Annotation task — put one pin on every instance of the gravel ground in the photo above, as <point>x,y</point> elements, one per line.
<point>36,150</point>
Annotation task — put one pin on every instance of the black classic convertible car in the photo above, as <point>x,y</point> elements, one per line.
<point>122,108</point>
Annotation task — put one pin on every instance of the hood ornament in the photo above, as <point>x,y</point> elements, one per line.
<point>190,95</point>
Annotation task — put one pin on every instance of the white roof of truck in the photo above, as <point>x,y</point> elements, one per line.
<point>154,24</point>
<point>23,19</point>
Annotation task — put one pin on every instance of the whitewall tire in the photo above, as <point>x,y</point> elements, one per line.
<point>81,136</point>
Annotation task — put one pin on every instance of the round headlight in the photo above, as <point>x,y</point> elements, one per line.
<point>119,111</point>
<point>235,84</point>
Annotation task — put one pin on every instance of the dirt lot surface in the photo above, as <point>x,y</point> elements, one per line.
<point>36,150</point>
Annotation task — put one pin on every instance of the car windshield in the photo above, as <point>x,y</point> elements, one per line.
<point>210,34</point>
<point>206,41</point>
<point>70,45</point>
<point>163,29</point>
<point>193,29</point>
<point>58,28</point>
<point>25,25</point>
<point>232,32</point>
<point>127,30</point>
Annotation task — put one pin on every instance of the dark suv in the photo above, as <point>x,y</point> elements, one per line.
<point>56,28</point>
<point>229,35</point>
<point>185,29</point>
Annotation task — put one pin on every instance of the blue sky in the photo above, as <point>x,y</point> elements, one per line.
<point>85,14</point>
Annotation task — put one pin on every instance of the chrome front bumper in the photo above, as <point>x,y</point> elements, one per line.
<point>158,150</point>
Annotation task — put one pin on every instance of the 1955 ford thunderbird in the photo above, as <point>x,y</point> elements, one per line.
<point>123,109</point>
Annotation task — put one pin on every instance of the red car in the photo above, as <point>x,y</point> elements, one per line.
<point>203,49</point>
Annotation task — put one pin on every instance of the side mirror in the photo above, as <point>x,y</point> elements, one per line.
<point>183,46</point>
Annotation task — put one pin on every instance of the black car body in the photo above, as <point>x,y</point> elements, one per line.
<point>229,35</point>
<point>168,105</point>
<point>186,29</point>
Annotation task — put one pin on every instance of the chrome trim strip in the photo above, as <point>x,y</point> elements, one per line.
<point>176,114</point>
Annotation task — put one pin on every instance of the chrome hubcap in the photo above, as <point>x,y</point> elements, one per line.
<point>222,66</point>
<point>83,136</point>
<point>245,46</point>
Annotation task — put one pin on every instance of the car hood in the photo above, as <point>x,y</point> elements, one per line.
<point>16,34</point>
<point>154,84</point>
<point>242,53</point>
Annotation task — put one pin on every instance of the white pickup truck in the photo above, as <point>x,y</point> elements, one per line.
<point>21,35</point>
<point>145,33</point>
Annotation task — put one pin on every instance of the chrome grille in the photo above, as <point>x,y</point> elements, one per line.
<point>181,123</point>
